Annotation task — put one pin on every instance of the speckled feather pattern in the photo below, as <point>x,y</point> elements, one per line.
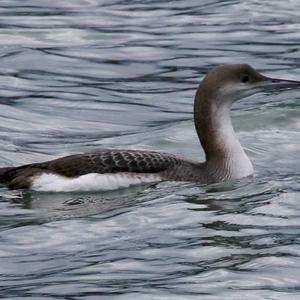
<point>110,161</point>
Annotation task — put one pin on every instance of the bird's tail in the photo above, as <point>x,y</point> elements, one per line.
<point>4,174</point>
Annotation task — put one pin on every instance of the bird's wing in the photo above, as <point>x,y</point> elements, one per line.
<point>110,161</point>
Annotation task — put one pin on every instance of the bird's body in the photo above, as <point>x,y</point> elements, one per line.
<point>102,170</point>
<point>107,169</point>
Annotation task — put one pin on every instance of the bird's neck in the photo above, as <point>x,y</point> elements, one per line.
<point>225,157</point>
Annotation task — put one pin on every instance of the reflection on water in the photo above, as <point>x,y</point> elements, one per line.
<point>76,75</point>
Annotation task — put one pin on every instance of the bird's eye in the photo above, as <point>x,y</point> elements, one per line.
<point>245,78</point>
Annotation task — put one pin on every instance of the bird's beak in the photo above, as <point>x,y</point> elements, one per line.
<point>268,83</point>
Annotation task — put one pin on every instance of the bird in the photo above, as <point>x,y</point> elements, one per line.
<point>109,169</point>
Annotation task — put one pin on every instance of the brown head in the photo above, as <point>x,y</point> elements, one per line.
<point>231,82</point>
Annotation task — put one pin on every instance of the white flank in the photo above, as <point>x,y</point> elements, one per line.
<point>89,182</point>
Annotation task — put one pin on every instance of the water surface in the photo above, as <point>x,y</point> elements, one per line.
<point>78,75</point>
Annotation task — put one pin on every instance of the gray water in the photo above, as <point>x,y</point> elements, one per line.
<point>84,74</point>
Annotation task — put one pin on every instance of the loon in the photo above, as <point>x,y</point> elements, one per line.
<point>108,169</point>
